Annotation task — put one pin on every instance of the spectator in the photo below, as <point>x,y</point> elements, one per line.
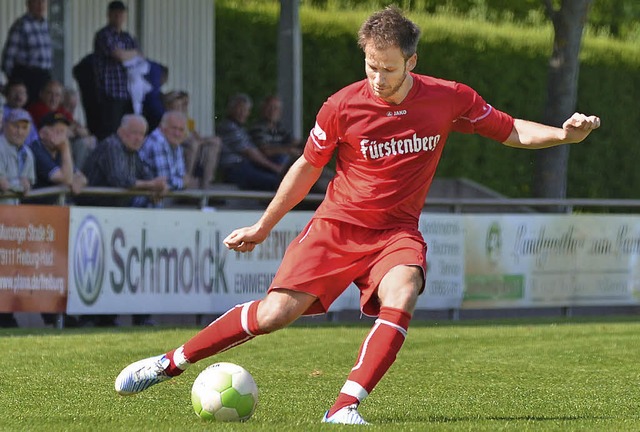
<point>201,154</point>
<point>276,142</point>
<point>51,97</point>
<point>112,47</point>
<point>241,162</point>
<point>85,75</point>
<point>153,104</point>
<point>53,159</point>
<point>116,163</point>
<point>271,137</point>
<point>28,52</point>
<point>17,171</point>
<point>54,166</point>
<point>70,101</point>
<point>16,95</point>
<point>6,318</point>
<point>162,153</point>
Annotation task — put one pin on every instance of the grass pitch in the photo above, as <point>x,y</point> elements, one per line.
<point>542,375</point>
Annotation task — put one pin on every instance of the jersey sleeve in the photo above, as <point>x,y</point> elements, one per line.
<point>477,116</point>
<point>324,136</point>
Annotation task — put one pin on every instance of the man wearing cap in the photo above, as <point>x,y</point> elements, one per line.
<point>52,154</point>
<point>112,46</point>
<point>28,52</point>
<point>17,171</point>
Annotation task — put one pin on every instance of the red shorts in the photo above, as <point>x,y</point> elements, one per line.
<point>328,255</point>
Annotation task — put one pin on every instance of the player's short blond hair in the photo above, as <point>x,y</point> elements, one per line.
<point>389,27</point>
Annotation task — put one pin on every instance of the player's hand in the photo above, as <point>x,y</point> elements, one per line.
<point>244,239</point>
<point>579,126</point>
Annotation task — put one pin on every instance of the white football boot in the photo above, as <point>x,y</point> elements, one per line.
<point>142,374</point>
<point>346,415</point>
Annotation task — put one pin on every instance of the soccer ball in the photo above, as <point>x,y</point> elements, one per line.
<point>224,392</point>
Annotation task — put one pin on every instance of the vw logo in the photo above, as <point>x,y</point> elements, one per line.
<point>88,260</point>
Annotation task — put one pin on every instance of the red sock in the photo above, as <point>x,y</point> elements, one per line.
<point>377,354</point>
<point>236,326</point>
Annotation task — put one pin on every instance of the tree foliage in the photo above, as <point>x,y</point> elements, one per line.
<point>617,18</point>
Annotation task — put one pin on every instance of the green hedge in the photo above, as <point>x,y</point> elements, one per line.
<point>506,64</point>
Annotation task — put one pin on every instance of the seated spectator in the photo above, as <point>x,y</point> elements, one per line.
<point>241,161</point>
<point>162,153</point>
<point>17,170</point>
<point>53,160</point>
<point>201,154</point>
<point>51,97</point>
<point>271,137</point>
<point>116,163</point>
<point>15,92</point>
<point>70,101</point>
<point>7,319</point>
<point>54,166</point>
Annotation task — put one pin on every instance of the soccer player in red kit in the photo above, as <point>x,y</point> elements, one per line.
<point>387,132</point>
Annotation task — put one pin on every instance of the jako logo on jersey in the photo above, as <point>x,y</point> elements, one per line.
<point>89,260</point>
<point>375,150</point>
<point>396,113</point>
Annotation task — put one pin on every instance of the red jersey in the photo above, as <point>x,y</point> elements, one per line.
<point>386,155</point>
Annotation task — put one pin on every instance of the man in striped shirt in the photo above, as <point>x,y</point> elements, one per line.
<point>27,53</point>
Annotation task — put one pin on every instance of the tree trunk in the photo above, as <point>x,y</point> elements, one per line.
<point>550,176</point>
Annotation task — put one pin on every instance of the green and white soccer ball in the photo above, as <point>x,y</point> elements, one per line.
<point>224,392</point>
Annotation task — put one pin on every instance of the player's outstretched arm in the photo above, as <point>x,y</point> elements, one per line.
<point>295,185</point>
<point>532,135</point>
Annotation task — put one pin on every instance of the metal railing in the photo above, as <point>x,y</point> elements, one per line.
<point>202,197</point>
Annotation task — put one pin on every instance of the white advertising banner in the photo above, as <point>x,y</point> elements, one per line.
<point>444,235</point>
<point>170,261</point>
<point>125,261</point>
<point>173,261</point>
<point>546,260</point>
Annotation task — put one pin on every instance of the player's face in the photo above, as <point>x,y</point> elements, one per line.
<point>388,72</point>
